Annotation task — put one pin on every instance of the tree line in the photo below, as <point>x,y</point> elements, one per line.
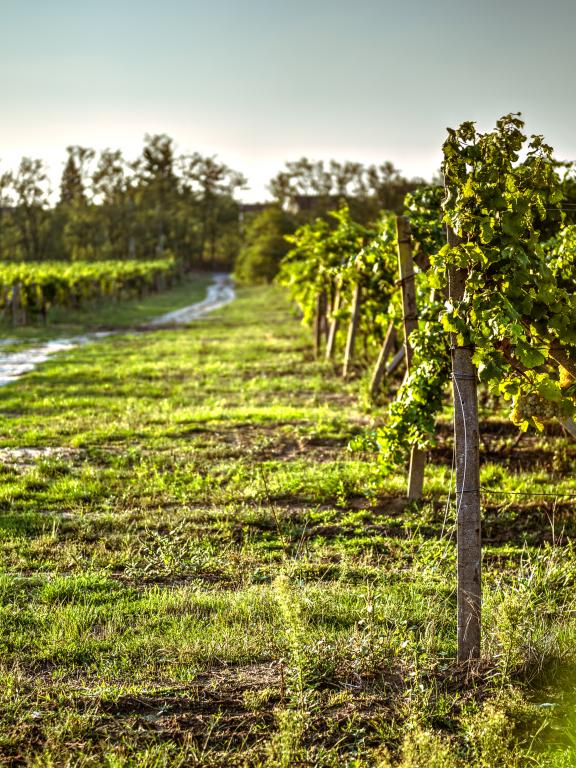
<point>163,202</point>
<point>112,208</point>
<point>307,190</point>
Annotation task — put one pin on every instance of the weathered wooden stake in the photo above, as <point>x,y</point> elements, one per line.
<point>318,321</point>
<point>380,367</point>
<point>352,329</point>
<point>396,360</point>
<point>328,305</point>
<point>410,314</point>
<point>467,452</point>
<point>569,425</point>
<point>43,307</point>
<point>4,300</point>
<point>18,312</point>
<point>333,330</point>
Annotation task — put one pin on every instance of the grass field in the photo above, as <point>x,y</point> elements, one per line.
<point>197,572</point>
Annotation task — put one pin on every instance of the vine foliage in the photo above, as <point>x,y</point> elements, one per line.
<point>503,199</point>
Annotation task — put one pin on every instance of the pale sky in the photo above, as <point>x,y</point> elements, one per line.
<point>259,82</point>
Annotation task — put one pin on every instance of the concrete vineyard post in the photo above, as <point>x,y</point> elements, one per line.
<point>352,329</point>
<point>410,316</point>
<point>333,329</point>
<point>467,458</point>
<point>380,367</point>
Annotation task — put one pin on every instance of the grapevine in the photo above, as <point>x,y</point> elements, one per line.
<point>503,200</point>
<point>518,312</point>
<point>338,255</point>
<point>43,285</point>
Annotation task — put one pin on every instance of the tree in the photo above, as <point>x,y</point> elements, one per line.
<point>114,192</point>
<point>6,180</point>
<point>74,176</point>
<point>388,187</point>
<point>109,177</point>
<point>30,216</point>
<point>312,188</point>
<point>82,235</point>
<point>302,178</point>
<point>214,184</point>
<point>348,179</point>
<point>110,208</point>
<point>158,185</point>
<point>264,246</point>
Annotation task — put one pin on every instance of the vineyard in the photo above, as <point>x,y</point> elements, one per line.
<point>30,290</point>
<point>488,297</point>
<point>331,526</point>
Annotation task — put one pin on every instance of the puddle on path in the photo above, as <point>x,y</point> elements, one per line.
<point>13,365</point>
<point>220,293</point>
<point>26,458</point>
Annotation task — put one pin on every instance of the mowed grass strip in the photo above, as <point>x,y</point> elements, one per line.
<point>196,571</point>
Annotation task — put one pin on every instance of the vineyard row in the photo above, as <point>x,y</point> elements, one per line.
<point>487,271</point>
<point>31,289</point>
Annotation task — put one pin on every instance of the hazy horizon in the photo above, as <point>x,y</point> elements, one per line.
<point>260,84</point>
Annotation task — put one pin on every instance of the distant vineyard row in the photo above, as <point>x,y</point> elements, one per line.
<point>33,288</point>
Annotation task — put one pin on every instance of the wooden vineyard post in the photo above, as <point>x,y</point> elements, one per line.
<point>467,457</point>
<point>352,329</point>
<point>569,425</point>
<point>380,367</point>
<point>396,360</point>
<point>4,300</point>
<point>410,315</point>
<point>319,321</point>
<point>18,312</point>
<point>329,300</point>
<point>43,306</point>
<point>333,329</point>
<point>14,302</point>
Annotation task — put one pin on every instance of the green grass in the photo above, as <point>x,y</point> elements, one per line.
<point>195,570</point>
